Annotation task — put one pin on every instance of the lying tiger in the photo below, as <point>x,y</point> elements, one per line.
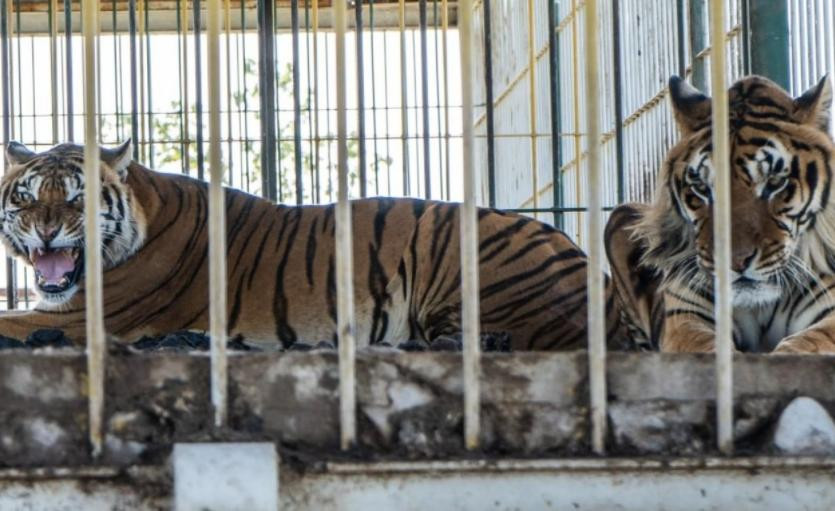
<point>783,227</point>
<point>281,262</point>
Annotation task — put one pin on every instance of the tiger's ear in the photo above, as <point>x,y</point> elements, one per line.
<point>690,107</point>
<point>18,154</point>
<point>118,158</point>
<point>815,105</point>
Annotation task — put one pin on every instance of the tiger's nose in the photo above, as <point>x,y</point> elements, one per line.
<point>742,259</point>
<point>48,233</point>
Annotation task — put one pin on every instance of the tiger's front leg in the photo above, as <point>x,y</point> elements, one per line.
<point>690,335</point>
<point>818,338</point>
<point>688,325</point>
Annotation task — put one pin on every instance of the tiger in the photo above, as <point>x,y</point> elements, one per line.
<point>782,227</point>
<point>281,259</point>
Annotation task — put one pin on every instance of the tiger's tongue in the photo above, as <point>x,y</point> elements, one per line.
<point>53,265</point>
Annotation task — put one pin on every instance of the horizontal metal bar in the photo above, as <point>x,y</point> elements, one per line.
<point>386,16</point>
<point>562,209</point>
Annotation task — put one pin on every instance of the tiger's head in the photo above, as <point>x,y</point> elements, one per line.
<point>42,214</point>
<point>781,160</point>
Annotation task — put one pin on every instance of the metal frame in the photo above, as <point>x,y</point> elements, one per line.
<point>468,220</point>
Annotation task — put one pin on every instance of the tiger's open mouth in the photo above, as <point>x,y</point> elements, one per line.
<point>58,269</point>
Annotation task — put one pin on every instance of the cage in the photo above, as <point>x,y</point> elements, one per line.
<point>553,109</point>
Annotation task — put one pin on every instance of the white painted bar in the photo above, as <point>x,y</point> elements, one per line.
<point>404,94</point>
<point>721,229</point>
<point>217,223</point>
<point>469,239</point>
<point>344,251</point>
<point>594,190</point>
<point>532,98</point>
<point>92,233</point>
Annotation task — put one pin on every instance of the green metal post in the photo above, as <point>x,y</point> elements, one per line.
<point>698,42</point>
<point>769,40</point>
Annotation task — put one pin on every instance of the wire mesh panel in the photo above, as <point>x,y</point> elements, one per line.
<point>154,88</point>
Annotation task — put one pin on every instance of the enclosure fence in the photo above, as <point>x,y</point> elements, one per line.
<point>614,125</point>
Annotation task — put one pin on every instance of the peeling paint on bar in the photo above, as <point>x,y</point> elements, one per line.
<point>723,306</point>
<point>92,233</point>
<point>344,252</point>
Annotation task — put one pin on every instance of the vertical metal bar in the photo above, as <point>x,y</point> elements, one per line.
<point>344,260</point>
<point>141,80</point>
<point>438,96</point>
<point>533,105</point>
<point>444,43</point>
<point>681,29</point>
<point>149,81</point>
<point>721,229</point>
<point>414,61</point>
<point>68,49</point>
<point>770,40</point>
<point>53,65</point>
<point>316,139</point>
<point>575,96</point>
<point>277,109</point>
<point>617,70</point>
<point>594,191</point>
<point>227,27</point>
<point>134,93</point>
<point>245,93</point>
<point>361,156</point>
<point>386,108</point>
<point>746,34</point>
<point>556,144</point>
<point>184,105</point>
<point>698,42</point>
<point>469,240</point>
<point>266,74</point>
<point>217,221</point>
<point>312,167</point>
<point>92,232</point>
<point>297,105</point>
<point>374,98</point>
<point>488,105</point>
<point>19,75</point>
<point>198,89</point>
<point>404,95</point>
<point>424,87</point>
<point>11,273</point>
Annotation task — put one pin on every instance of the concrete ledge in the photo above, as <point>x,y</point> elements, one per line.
<point>535,404</point>
<point>754,483</point>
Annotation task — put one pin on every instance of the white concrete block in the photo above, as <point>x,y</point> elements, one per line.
<point>225,477</point>
<point>805,427</point>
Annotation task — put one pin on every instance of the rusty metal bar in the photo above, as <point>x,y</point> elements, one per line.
<point>721,229</point>
<point>344,262</point>
<point>92,233</point>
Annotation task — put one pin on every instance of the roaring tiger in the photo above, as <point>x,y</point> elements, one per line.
<point>281,261</point>
<point>783,227</point>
